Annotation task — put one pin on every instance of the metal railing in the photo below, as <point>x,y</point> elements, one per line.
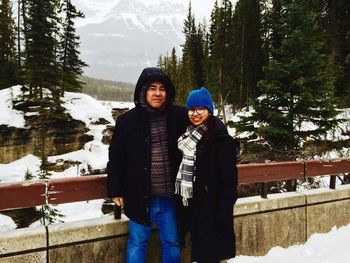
<point>65,190</point>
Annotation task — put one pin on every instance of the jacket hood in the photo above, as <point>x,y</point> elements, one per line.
<point>152,74</point>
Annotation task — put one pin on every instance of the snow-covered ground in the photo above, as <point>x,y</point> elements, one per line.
<point>81,107</point>
<point>94,153</point>
<point>331,247</point>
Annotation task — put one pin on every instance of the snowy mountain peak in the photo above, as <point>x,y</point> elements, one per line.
<point>131,36</point>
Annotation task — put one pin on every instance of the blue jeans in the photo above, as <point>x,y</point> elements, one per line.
<point>162,212</point>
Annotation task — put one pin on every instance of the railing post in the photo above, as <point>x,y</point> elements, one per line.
<point>332,181</point>
<point>263,190</point>
<point>117,212</point>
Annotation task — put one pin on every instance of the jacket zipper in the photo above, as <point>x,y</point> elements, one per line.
<point>148,177</point>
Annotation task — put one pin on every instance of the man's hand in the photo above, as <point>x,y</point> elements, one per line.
<point>119,201</point>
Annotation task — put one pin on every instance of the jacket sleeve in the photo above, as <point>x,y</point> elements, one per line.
<point>116,163</point>
<point>227,170</point>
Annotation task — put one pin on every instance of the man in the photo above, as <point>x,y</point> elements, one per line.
<point>143,163</point>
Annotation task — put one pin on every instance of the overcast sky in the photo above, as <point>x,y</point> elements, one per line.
<point>201,8</point>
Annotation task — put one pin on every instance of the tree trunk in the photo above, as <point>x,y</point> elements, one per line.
<point>242,67</point>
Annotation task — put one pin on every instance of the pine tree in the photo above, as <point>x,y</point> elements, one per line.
<point>8,75</point>
<point>70,63</point>
<point>191,69</point>
<point>298,86</point>
<point>337,24</point>
<point>220,53</point>
<point>160,63</point>
<point>28,175</point>
<point>188,65</point>
<point>49,213</point>
<point>198,55</point>
<point>41,67</point>
<point>247,51</point>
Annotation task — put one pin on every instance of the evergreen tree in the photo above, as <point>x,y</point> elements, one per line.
<point>49,213</point>
<point>41,67</point>
<point>187,73</point>
<point>70,63</point>
<point>23,4</point>
<point>160,62</point>
<point>28,175</point>
<point>298,86</point>
<point>191,69</point>
<point>8,76</point>
<point>248,55</point>
<point>337,24</point>
<point>173,66</point>
<point>220,53</point>
<point>205,54</point>
<point>198,54</point>
<point>265,29</point>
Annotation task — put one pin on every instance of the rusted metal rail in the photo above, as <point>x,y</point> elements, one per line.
<point>66,190</point>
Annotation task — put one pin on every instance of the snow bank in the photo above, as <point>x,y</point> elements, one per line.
<point>8,115</point>
<point>15,171</point>
<point>6,223</point>
<point>320,248</point>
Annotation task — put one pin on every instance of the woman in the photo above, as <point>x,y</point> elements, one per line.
<point>207,181</point>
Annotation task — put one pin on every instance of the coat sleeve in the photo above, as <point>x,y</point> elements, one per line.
<point>227,170</point>
<point>116,163</point>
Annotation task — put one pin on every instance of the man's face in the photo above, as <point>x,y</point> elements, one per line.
<point>156,94</point>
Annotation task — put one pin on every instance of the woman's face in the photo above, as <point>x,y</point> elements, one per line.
<point>198,115</point>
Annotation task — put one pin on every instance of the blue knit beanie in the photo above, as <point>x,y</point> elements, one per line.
<point>200,98</point>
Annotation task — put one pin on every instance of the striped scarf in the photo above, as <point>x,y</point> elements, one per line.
<point>187,144</point>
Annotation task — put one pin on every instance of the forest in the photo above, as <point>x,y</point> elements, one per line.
<point>285,62</point>
<point>107,89</point>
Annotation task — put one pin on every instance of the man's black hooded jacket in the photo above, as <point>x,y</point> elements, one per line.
<point>129,152</point>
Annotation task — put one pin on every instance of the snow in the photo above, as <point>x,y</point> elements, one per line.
<point>15,171</point>
<point>128,17</point>
<point>94,153</point>
<point>8,115</point>
<point>99,11</point>
<point>85,108</point>
<point>81,107</point>
<point>338,133</point>
<point>117,104</point>
<point>330,247</point>
<point>77,211</point>
<point>6,223</point>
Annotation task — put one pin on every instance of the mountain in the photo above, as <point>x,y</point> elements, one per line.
<point>131,36</point>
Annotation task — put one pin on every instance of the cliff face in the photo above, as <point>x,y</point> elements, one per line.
<point>62,136</point>
<point>108,132</point>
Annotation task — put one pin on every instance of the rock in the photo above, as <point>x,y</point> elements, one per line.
<point>63,165</point>
<point>62,136</point>
<point>107,134</point>
<point>101,121</point>
<point>116,112</point>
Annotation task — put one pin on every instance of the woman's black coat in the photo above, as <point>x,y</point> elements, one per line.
<point>214,194</point>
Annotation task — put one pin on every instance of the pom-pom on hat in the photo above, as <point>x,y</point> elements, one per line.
<point>200,98</point>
